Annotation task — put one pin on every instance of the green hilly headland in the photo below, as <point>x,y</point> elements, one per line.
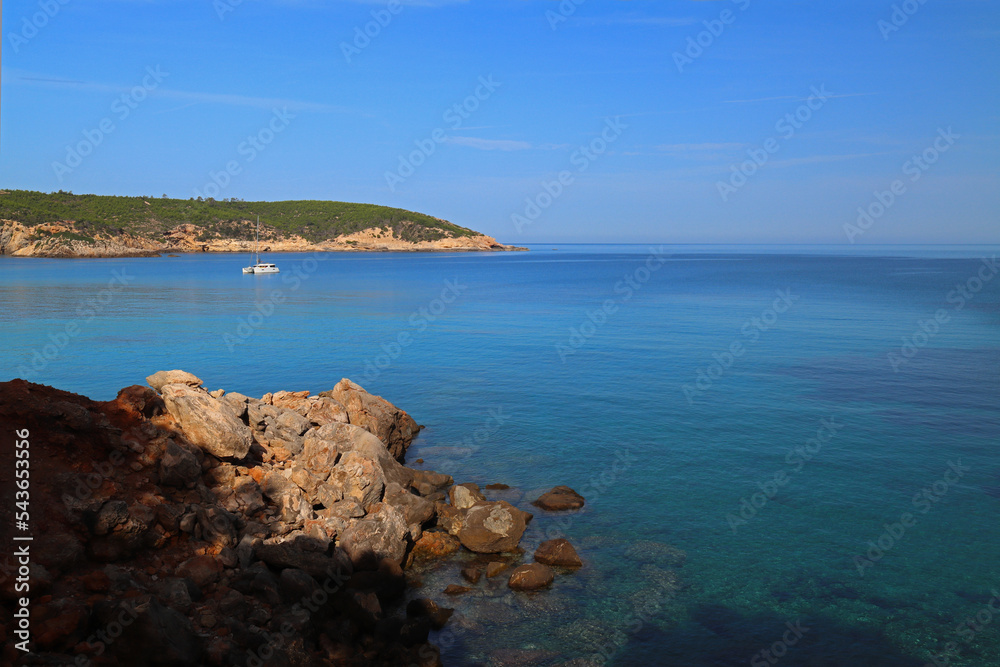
<point>152,217</point>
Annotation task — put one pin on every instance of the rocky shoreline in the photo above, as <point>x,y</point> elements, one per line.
<point>173,526</point>
<point>62,240</point>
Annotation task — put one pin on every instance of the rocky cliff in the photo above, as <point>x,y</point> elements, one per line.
<point>177,526</point>
<point>64,239</point>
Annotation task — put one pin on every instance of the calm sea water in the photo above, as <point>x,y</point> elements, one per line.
<point>684,390</point>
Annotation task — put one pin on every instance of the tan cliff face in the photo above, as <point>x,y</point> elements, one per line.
<point>62,239</point>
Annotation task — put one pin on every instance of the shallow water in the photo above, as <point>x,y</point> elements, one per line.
<point>521,375</point>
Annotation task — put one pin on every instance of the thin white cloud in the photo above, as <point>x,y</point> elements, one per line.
<point>688,148</point>
<point>638,20</point>
<point>19,77</point>
<point>797,98</point>
<point>490,144</point>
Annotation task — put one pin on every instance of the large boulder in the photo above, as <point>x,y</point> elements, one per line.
<point>160,379</point>
<point>492,527</point>
<point>388,423</point>
<point>381,534</point>
<point>325,410</point>
<point>325,444</point>
<point>417,510</point>
<point>359,478</point>
<point>207,422</point>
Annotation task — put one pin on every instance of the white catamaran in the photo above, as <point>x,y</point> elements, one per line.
<point>258,266</point>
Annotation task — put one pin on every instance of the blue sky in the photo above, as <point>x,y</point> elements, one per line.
<point>647,111</point>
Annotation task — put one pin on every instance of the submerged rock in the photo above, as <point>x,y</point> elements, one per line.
<point>558,552</point>
<point>531,577</point>
<point>560,498</point>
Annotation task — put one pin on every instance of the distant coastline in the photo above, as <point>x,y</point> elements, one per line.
<point>64,225</point>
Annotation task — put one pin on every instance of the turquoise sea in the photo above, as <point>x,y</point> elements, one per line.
<point>817,428</point>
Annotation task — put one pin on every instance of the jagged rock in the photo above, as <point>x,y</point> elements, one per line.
<point>325,410</point>
<point>248,495</point>
<point>388,423</point>
<point>259,415</point>
<point>117,533</point>
<point>290,400</point>
<point>492,527</point>
<point>558,552</point>
<point>294,422</point>
<point>449,517</point>
<point>329,495</point>
<point>426,482</point>
<point>305,480</point>
<point>202,570</point>
<point>321,450</point>
<point>111,514</point>
<point>178,467</point>
<point>464,496</point>
<point>207,422</point>
<point>324,444</point>
<point>292,504</point>
<point>346,509</point>
<point>217,527</point>
<point>138,401</point>
<point>223,475</point>
<point>359,478</point>
<point>455,589</point>
<point>238,402</point>
<point>560,498</point>
<point>381,534</point>
<point>471,574</point>
<point>531,577</point>
<point>296,585</point>
<point>415,508</point>
<point>161,378</point>
<point>435,545</point>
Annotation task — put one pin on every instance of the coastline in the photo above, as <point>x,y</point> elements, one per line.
<point>281,528</point>
<point>62,240</point>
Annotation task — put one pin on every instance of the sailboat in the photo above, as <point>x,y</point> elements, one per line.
<point>258,266</point>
